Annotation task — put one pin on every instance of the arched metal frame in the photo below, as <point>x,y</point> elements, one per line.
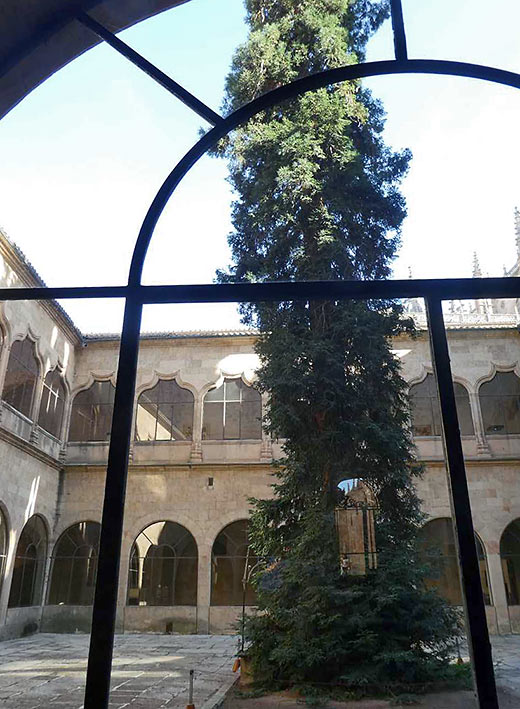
<point>136,295</point>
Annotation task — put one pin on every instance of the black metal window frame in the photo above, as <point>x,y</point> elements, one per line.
<point>433,291</point>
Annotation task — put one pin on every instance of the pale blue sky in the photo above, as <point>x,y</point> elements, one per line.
<point>84,154</point>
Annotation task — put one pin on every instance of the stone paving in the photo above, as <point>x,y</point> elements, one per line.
<point>149,671</point>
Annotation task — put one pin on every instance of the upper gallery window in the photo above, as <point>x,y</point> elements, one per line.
<point>426,415</point>
<point>53,403</point>
<point>91,416</point>
<point>232,410</point>
<point>21,376</point>
<point>165,413</point>
<point>500,404</point>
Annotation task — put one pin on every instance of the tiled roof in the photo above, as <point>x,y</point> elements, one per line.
<point>180,335</point>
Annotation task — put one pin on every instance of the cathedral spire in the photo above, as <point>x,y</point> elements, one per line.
<point>517,231</point>
<point>477,273</point>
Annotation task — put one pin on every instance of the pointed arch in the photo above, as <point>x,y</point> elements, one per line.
<point>21,376</point>
<point>165,412</point>
<point>499,399</point>
<point>92,411</point>
<point>425,409</point>
<point>232,409</point>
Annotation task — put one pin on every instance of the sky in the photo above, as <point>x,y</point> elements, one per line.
<point>83,155</point>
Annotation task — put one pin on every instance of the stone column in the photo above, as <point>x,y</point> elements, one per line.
<point>12,541</point>
<point>204,589</point>
<point>196,446</point>
<point>35,409</point>
<point>123,584</point>
<point>498,592</point>
<point>266,451</point>
<point>482,445</point>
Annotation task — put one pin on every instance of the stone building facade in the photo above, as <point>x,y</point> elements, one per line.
<point>199,454</point>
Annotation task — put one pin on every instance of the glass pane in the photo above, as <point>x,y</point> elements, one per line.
<point>493,414</point>
<point>145,421</point>
<point>164,422</point>
<point>512,413</point>
<point>183,420</point>
<point>463,410</point>
<point>215,394</point>
<point>232,420</point>
<point>422,416</point>
<point>250,424</point>
<point>232,389</point>
<point>213,425</point>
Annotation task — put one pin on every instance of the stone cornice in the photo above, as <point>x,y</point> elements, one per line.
<point>170,467</point>
<point>29,448</point>
<point>28,276</point>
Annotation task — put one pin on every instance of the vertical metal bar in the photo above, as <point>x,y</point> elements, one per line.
<point>478,636</point>
<point>97,688</point>
<point>401,51</point>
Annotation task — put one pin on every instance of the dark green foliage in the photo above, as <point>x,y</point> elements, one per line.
<point>318,198</point>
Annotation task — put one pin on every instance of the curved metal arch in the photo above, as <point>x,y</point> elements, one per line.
<point>283,93</point>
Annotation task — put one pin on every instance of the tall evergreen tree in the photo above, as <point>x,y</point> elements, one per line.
<point>318,198</point>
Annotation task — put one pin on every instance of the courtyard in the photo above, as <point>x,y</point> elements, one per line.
<point>152,671</point>
<point>149,671</point>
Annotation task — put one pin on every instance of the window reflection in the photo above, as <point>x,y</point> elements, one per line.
<point>500,404</point>
<point>425,409</point>
<point>92,410</point>
<point>29,564</point>
<point>232,411</point>
<point>163,567</point>
<point>74,565</point>
<point>228,563</point>
<point>510,557</point>
<point>438,551</point>
<point>165,413</point>
<point>52,404</point>
<point>21,376</point>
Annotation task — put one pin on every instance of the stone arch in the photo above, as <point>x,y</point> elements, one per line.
<point>91,419</point>
<point>23,372</point>
<point>165,416</point>
<point>232,411</point>
<point>163,566</point>
<point>29,563</point>
<point>74,565</point>
<point>232,563</point>
<point>4,542</point>
<point>437,548</point>
<point>425,408</point>
<point>510,561</point>
<point>499,400</point>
